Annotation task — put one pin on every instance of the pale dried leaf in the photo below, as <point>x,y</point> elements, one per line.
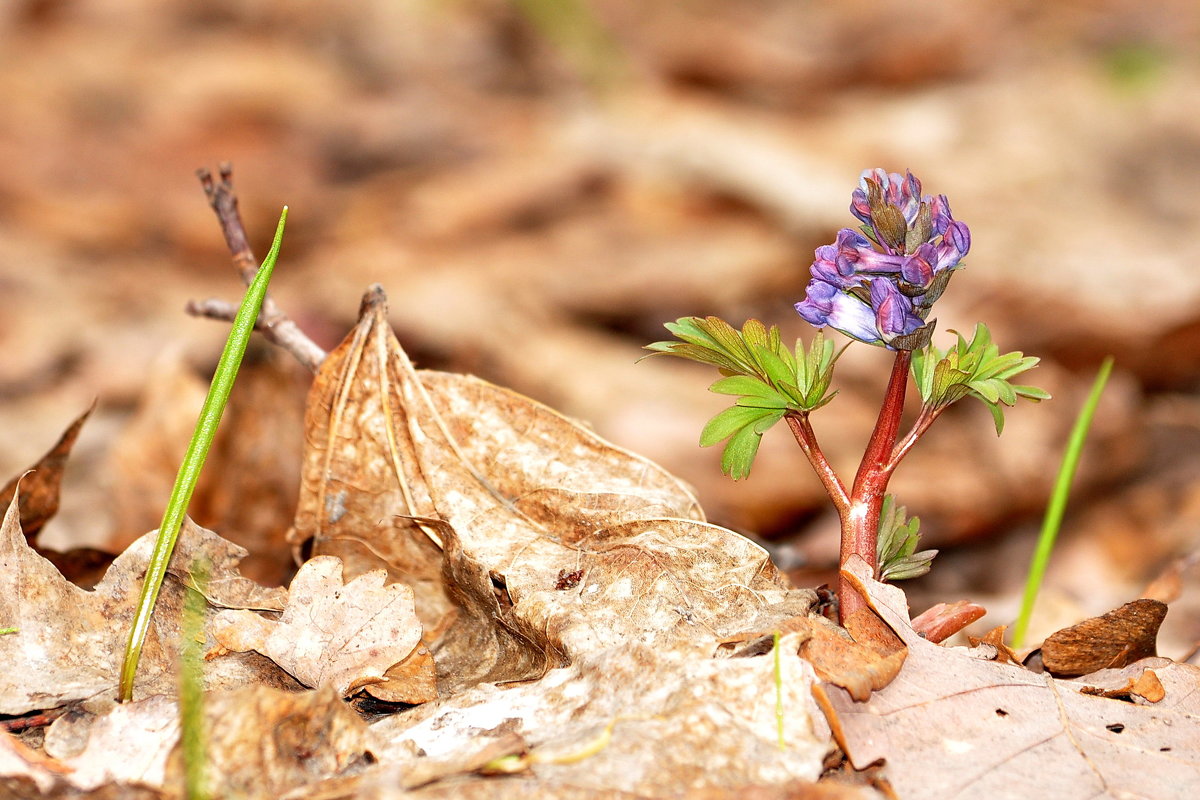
<point>518,499</point>
<point>264,742</point>
<point>39,485</point>
<point>590,724</point>
<point>26,768</point>
<point>129,744</point>
<point>69,641</point>
<point>402,465</point>
<point>330,634</point>
<point>953,725</point>
<point>260,743</point>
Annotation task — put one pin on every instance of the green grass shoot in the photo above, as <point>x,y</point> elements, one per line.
<point>193,460</point>
<point>1058,502</point>
<point>193,734</point>
<point>6,631</point>
<point>778,693</point>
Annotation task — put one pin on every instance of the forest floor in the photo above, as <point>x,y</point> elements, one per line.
<point>538,188</point>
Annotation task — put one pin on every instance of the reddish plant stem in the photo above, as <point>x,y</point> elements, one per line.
<point>860,523</point>
<point>919,427</point>
<point>806,437</point>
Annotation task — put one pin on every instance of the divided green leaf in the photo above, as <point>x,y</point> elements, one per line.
<point>897,544</point>
<point>768,379</point>
<point>976,369</point>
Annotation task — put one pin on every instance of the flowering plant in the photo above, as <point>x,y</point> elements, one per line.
<point>876,285</point>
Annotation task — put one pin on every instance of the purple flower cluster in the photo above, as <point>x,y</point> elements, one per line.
<point>878,286</point>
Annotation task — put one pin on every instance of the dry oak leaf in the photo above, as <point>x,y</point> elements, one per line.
<point>39,485</point>
<point>330,634</point>
<point>487,498</point>
<point>1115,639</point>
<point>261,743</point>
<point>953,725</point>
<point>69,640</point>
<point>477,498</point>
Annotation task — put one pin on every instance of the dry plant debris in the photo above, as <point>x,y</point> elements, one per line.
<point>68,642</point>
<point>954,722</point>
<point>330,634</point>
<point>38,489</point>
<point>482,500</point>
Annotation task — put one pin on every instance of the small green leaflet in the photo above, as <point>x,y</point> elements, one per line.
<point>975,369</point>
<point>768,378</point>
<point>897,543</point>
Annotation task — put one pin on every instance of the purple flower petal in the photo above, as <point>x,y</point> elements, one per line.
<point>824,304</point>
<point>959,235</point>
<point>917,268</point>
<point>893,311</point>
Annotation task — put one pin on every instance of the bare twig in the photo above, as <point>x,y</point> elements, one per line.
<point>272,322</point>
<point>38,720</point>
<point>214,308</point>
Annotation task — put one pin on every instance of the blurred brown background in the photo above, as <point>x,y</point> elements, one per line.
<point>539,184</point>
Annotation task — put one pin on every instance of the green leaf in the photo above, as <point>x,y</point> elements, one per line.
<point>754,334</point>
<point>739,452</point>
<point>767,378</point>
<point>997,417</point>
<point>975,368</point>
<point>728,422</point>
<point>897,544</point>
<point>741,384</point>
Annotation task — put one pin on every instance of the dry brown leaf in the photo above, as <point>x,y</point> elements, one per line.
<point>402,465</point>
<point>943,620</point>
<point>953,725</point>
<point>261,742</point>
<point>69,641</point>
<point>490,500</point>
<point>413,681</point>
<point>264,742</point>
<point>1120,637</point>
<point>1146,686</point>
<point>330,634</point>
<point>995,639</point>
<point>40,484</point>
<point>857,668</point>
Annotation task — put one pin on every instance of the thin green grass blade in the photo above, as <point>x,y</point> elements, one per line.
<point>193,460</point>
<point>1058,503</point>
<point>778,693</point>
<point>193,734</point>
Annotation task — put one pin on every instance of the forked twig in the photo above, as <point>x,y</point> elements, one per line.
<point>275,325</point>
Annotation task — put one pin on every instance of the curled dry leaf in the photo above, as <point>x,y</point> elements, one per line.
<point>69,641</point>
<point>402,465</point>
<point>261,743</point>
<point>483,499</point>
<point>344,636</point>
<point>39,485</point>
<point>1115,639</point>
<point>939,622</point>
<point>954,725</point>
<point>39,488</point>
